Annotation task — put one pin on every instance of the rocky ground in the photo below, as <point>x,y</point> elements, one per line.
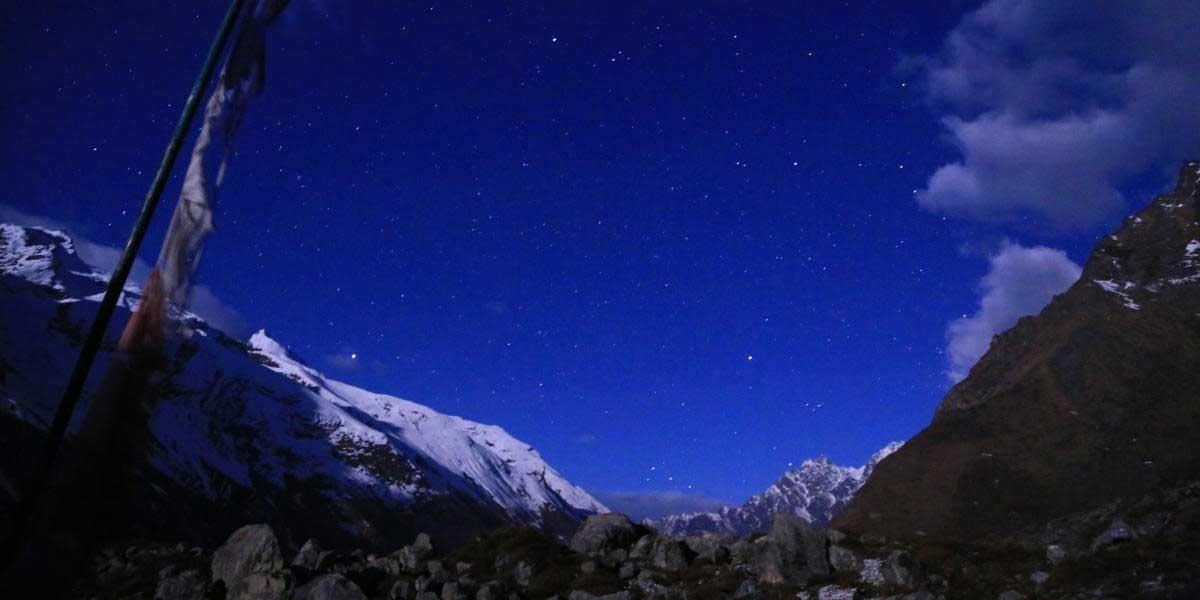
<point>1149,548</point>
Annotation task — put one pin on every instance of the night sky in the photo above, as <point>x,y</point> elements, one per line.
<point>672,248</point>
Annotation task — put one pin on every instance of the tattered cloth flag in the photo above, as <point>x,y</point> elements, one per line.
<point>240,80</point>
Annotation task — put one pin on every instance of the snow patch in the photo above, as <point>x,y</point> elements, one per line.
<point>1119,289</point>
<point>232,417</point>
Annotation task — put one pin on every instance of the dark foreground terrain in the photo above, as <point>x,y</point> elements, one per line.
<point>1149,548</point>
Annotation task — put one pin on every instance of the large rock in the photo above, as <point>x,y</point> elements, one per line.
<point>844,559</point>
<point>1118,531</point>
<point>604,532</point>
<point>188,585</point>
<point>412,555</point>
<point>793,552</point>
<point>709,548</point>
<point>330,587</point>
<point>308,555</point>
<point>580,595</point>
<point>672,555</point>
<point>251,549</point>
<point>898,569</point>
<point>250,564</point>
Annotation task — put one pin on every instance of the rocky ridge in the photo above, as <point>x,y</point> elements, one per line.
<point>816,492</point>
<point>1092,401</point>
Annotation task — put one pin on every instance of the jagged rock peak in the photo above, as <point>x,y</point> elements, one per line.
<point>816,491</point>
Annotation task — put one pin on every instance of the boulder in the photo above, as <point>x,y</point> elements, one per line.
<point>585,595</point>
<point>748,590</point>
<point>1118,531</point>
<point>580,595</point>
<point>250,565</point>
<point>523,574</point>
<point>187,585</point>
<point>642,548</point>
<point>429,583</point>
<point>1039,578</point>
<point>412,555</point>
<point>330,587</point>
<point>898,569</point>
<point>708,548</point>
<point>401,590</point>
<point>835,592</point>
<point>604,532</point>
<point>793,552</point>
<point>628,570</point>
<point>452,591</point>
<point>844,560</point>
<point>1055,554</point>
<point>652,590</point>
<point>251,549</point>
<point>390,565</point>
<point>742,552</point>
<point>488,591</point>
<point>259,586</point>
<point>671,555</point>
<point>308,555</point>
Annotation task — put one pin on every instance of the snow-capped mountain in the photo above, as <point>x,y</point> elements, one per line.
<point>816,491</point>
<point>244,429</point>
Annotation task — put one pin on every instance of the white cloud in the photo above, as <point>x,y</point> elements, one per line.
<point>104,258</point>
<point>1020,281</point>
<point>1054,108</point>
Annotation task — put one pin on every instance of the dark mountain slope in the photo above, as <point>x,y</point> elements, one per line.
<point>1097,398</point>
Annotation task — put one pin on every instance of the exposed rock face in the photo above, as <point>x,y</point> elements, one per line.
<point>816,492</point>
<point>1092,400</point>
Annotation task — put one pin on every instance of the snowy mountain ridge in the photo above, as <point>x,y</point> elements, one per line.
<point>240,420</point>
<point>816,491</point>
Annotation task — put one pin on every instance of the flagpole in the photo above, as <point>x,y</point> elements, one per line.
<point>24,517</point>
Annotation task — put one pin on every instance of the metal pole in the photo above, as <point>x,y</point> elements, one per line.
<point>91,345</point>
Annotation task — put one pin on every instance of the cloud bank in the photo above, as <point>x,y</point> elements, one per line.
<point>654,505</point>
<point>1053,106</point>
<point>1020,281</point>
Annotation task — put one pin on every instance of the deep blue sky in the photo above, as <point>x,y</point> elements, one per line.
<point>673,249</point>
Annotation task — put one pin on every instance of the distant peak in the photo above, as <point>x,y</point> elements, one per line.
<point>266,344</point>
<point>1189,176</point>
